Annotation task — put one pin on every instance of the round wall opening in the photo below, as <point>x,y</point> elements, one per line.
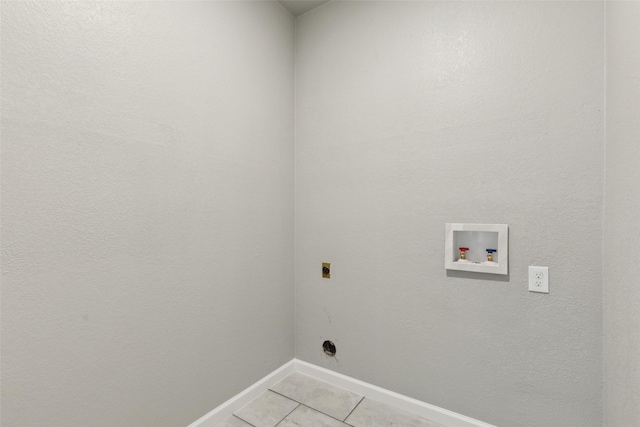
<point>329,348</point>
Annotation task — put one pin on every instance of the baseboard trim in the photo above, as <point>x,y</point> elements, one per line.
<point>416,407</point>
<point>245,396</point>
<point>432,412</point>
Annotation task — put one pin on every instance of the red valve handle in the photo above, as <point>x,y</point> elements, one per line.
<point>464,249</point>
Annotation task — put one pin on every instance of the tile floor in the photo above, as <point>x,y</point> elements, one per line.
<point>300,400</point>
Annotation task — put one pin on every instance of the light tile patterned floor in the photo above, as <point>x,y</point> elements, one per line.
<point>300,400</point>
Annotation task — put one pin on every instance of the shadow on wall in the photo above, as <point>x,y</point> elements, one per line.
<point>479,276</point>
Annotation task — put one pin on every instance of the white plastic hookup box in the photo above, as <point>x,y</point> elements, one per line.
<point>478,238</point>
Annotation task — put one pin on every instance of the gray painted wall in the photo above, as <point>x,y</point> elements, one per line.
<point>146,189</point>
<point>413,114</point>
<point>622,229</point>
<point>147,208</point>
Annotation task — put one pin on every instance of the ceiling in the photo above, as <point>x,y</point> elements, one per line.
<point>298,7</point>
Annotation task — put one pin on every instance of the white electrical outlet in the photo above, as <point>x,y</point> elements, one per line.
<point>539,279</point>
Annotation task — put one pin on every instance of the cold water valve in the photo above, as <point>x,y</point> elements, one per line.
<point>490,253</point>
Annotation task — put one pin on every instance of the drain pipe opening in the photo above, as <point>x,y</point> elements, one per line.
<point>329,348</point>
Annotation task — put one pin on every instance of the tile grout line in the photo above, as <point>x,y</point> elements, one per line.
<point>285,417</point>
<point>234,415</point>
<point>273,391</point>
<point>300,403</point>
<point>330,416</point>
<point>354,408</point>
<point>317,410</point>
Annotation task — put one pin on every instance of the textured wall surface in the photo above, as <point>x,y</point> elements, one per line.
<point>413,114</point>
<point>147,201</point>
<point>147,208</point>
<point>622,229</point>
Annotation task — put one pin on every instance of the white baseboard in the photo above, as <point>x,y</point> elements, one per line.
<point>413,406</point>
<point>245,396</point>
<point>435,413</point>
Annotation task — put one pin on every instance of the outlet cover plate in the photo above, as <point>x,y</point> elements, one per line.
<point>539,279</point>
